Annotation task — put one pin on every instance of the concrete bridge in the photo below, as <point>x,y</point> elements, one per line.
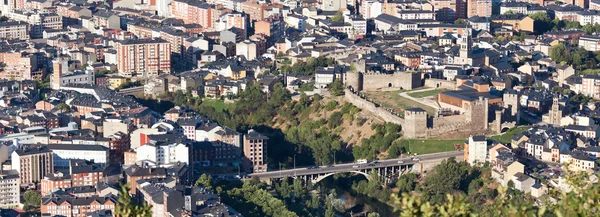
<point>389,170</point>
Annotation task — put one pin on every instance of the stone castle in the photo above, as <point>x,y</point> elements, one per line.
<point>479,118</point>
<point>367,77</point>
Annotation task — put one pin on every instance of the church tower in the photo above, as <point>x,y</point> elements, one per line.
<point>466,45</point>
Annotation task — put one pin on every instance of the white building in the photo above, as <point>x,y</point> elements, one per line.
<point>9,188</point>
<point>247,49</point>
<point>163,153</point>
<point>63,153</point>
<point>590,43</point>
<point>325,76</point>
<point>477,149</point>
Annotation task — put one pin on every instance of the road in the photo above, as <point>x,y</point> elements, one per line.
<point>350,166</point>
<point>419,100</point>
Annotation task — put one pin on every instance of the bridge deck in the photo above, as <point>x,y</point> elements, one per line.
<point>347,167</point>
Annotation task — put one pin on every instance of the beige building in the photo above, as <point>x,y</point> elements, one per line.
<point>19,66</point>
<point>482,8</point>
<point>143,57</point>
<point>255,151</point>
<point>14,30</point>
<point>32,163</point>
<point>247,49</point>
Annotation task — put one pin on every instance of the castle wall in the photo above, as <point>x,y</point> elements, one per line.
<point>399,80</point>
<point>440,83</point>
<point>369,106</point>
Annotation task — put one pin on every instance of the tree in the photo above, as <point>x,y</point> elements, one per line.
<point>63,107</point>
<point>522,36</point>
<point>542,22</point>
<point>460,21</point>
<point>127,208</point>
<point>205,181</point>
<point>407,182</point>
<point>336,88</point>
<point>560,53</point>
<point>447,177</point>
<point>373,214</point>
<point>338,17</point>
<point>3,19</point>
<point>32,198</point>
<point>179,98</point>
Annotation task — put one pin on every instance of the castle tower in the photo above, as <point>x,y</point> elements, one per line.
<point>415,123</point>
<point>512,102</point>
<point>555,113</point>
<point>60,66</point>
<point>354,79</point>
<point>477,114</point>
<point>498,121</point>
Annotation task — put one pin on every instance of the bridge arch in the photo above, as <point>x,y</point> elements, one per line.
<point>366,175</point>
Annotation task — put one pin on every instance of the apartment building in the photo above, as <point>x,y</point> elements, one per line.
<point>143,57</point>
<point>590,86</point>
<point>256,10</point>
<point>482,8</point>
<point>476,150</point>
<point>449,10</point>
<point>20,66</point>
<point>32,163</point>
<point>232,20</point>
<point>255,151</point>
<point>9,188</point>
<point>14,30</point>
<point>590,42</point>
<point>76,206</point>
<point>85,174</point>
<point>195,12</point>
<point>64,153</point>
<point>55,181</point>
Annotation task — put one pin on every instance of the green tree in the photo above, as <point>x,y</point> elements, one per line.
<point>32,198</point>
<point>447,177</point>
<point>338,17</point>
<point>522,36</point>
<point>127,208</point>
<point>460,21</point>
<point>179,98</point>
<point>336,88</point>
<point>373,214</point>
<point>205,181</point>
<point>542,22</point>
<point>560,53</point>
<point>407,182</point>
<point>63,107</point>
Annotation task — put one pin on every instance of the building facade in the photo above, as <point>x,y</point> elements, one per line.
<point>143,57</point>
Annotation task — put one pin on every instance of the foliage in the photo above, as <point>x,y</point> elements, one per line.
<point>460,21</point>
<point>32,198</point>
<point>560,53</point>
<point>338,17</point>
<point>308,67</point>
<point>407,182</point>
<point>3,19</point>
<point>205,181</point>
<point>306,87</point>
<point>373,188</point>
<point>384,135</point>
<point>251,200</point>
<point>127,208</point>
<point>591,28</point>
<point>542,22</point>
<point>63,107</point>
<point>129,84</point>
<point>336,88</point>
<point>448,177</point>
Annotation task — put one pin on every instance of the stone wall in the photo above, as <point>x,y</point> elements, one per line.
<point>398,80</point>
<point>365,105</point>
<point>440,83</point>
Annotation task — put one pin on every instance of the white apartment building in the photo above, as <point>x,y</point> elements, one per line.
<point>9,188</point>
<point>590,42</point>
<point>477,149</point>
<point>63,153</point>
<point>163,153</point>
<point>14,30</point>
